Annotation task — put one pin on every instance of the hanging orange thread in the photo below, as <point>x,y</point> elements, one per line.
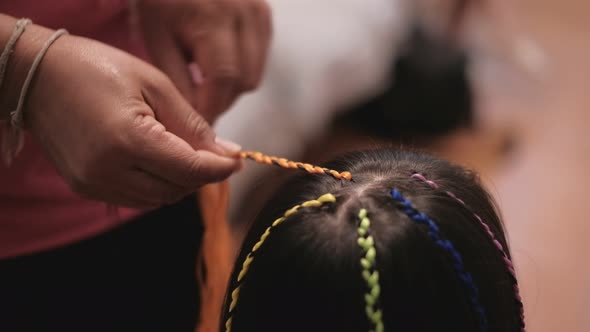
<point>260,157</point>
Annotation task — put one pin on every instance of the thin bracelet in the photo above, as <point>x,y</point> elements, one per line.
<point>16,117</point>
<point>13,137</point>
<point>19,28</point>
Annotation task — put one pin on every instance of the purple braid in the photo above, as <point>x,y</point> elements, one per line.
<point>499,246</point>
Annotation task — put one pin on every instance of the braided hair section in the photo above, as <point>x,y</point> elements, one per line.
<point>235,294</point>
<point>497,244</point>
<point>370,273</point>
<point>262,158</point>
<point>434,233</point>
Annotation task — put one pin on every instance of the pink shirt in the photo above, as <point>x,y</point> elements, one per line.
<point>38,211</point>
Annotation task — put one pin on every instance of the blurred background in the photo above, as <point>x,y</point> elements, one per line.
<point>499,86</point>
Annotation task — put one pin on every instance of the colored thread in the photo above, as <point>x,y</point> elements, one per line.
<point>434,233</point>
<point>235,294</point>
<point>507,261</point>
<point>370,273</point>
<point>285,163</point>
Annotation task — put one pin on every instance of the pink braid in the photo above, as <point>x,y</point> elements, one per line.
<point>507,261</point>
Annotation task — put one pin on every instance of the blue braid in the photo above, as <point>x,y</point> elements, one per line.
<point>434,234</point>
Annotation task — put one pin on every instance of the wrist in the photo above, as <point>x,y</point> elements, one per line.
<point>20,61</point>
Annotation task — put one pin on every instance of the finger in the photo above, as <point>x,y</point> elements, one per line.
<point>254,36</point>
<point>217,54</point>
<point>250,63</point>
<point>265,30</point>
<point>265,21</point>
<point>150,189</point>
<point>177,117</point>
<point>169,157</point>
<point>171,60</point>
<point>188,168</point>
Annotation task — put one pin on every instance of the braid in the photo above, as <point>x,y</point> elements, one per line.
<point>327,198</point>
<point>497,244</point>
<point>259,157</point>
<point>370,273</point>
<point>446,245</point>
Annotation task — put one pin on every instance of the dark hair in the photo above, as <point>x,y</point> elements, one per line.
<point>429,94</point>
<point>306,275</point>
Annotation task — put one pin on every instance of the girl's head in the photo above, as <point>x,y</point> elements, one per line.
<point>412,243</point>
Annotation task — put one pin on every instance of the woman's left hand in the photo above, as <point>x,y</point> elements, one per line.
<point>213,50</point>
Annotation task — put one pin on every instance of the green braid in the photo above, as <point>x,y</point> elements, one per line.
<point>370,273</point>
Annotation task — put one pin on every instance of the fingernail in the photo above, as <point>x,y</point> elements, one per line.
<point>229,147</point>
<point>195,73</point>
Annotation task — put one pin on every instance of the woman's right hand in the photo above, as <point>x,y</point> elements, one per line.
<point>116,128</point>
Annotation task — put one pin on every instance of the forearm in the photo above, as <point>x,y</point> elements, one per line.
<point>19,63</point>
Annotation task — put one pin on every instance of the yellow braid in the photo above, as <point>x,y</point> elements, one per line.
<point>250,257</point>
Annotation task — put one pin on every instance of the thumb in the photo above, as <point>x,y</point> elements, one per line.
<point>170,158</point>
<point>179,118</point>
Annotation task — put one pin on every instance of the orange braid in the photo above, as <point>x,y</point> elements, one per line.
<point>282,162</point>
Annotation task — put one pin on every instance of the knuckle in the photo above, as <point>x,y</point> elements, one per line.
<point>157,85</point>
<point>195,172</point>
<point>159,80</point>
<point>139,137</point>
<point>197,127</point>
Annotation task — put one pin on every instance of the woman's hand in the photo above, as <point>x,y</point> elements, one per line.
<point>117,129</point>
<point>227,39</point>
